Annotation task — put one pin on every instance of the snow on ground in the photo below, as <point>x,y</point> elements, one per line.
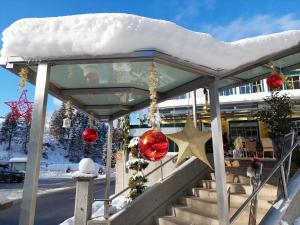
<point>98,209</point>
<point>111,33</point>
<point>297,221</point>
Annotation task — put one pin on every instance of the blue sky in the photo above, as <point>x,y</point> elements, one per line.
<point>226,20</point>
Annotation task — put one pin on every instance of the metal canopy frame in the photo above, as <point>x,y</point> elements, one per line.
<point>207,77</point>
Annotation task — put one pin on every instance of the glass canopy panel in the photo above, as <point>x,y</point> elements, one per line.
<point>129,98</point>
<point>131,74</point>
<point>252,73</point>
<point>288,61</point>
<point>226,82</point>
<point>105,112</point>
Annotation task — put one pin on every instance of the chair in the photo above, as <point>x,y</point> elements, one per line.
<point>250,148</point>
<point>267,146</point>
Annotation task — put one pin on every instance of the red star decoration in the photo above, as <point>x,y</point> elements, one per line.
<point>20,108</point>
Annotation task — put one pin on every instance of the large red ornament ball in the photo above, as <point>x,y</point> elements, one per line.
<point>90,135</point>
<point>274,81</point>
<point>153,145</point>
<point>118,134</point>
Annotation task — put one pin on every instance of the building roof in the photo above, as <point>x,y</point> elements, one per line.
<point>101,62</point>
<point>18,159</point>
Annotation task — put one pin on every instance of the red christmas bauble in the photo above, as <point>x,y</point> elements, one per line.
<point>274,81</point>
<point>153,145</point>
<point>118,134</point>
<point>90,135</point>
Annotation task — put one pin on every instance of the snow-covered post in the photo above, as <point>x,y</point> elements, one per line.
<point>84,191</point>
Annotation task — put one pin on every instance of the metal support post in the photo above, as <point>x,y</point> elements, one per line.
<point>108,170</point>
<point>195,108</point>
<point>30,188</point>
<point>218,153</point>
<point>284,185</point>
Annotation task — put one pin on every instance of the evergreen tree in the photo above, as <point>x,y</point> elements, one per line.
<point>56,123</point>
<point>7,131</point>
<point>21,135</point>
<point>76,147</point>
<point>276,115</point>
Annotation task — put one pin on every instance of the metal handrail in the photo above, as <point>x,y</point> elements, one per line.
<point>278,165</point>
<point>137,181</point>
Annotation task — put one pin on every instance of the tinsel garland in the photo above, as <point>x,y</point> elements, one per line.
<point>68,109</point>
<point>23,77</point>
<point>153,81</point>
<point>206,106</point>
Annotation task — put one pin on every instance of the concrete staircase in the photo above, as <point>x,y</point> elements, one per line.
<point>199,207</point>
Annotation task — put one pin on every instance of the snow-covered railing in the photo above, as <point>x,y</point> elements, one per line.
<point>160,167</point>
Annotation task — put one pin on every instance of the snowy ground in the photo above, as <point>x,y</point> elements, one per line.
<point>98,210</point>
<point>53,175</point>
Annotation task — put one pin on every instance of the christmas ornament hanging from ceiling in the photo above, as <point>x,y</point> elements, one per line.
<point>153,144</point>
<point>20,108</point>
<point>275,79</point>
<point>191,142</point>
<point>90,135</point>
<point>206,108</point>
<point>67,120</point>
<point>118,134</point>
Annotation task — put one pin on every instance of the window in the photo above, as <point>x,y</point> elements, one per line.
<point>246,129</point>
<point>228,91</point>
<point>180,97</point>
<point>254,87</point>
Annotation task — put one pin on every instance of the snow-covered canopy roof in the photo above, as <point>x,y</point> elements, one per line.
<point>116,50</point>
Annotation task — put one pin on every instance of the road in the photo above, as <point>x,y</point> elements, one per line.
<point>43,183</point>
<point>52,208</point>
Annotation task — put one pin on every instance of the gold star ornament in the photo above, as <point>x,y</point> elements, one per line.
<point>191,142</point>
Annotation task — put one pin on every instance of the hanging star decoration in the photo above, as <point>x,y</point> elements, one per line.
<point>20,108</point>
<point>191,142</point>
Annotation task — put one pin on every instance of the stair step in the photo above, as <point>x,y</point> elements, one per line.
<point>171,220</point>
<point>240,188</point>
<point>236,200</point>
<point>233,178</point>
<point>209,207</point>
<point>194,216</point>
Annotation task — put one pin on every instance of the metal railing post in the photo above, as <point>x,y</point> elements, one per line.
<point>161,170</point>
<point>108,171</point>
<point>290,159</point>
<point>284,185</point>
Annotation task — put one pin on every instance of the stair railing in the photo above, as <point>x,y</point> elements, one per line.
<point>107,202</point>
<point>279,165</point>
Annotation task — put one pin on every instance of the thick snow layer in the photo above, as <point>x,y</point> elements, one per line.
<point>98,209</point>
<point>102,34</point>
<point>87,166</point>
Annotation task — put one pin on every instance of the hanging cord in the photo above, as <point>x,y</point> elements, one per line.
<point>23,76</point>
<point>153,81</point>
